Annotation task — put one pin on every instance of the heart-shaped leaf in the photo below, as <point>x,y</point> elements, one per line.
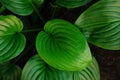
<point>37,69</point>
<point>63,46</point>
<point>12,42</point>
<point>20,7</point>
<point>9,71</point>
<point>100,24</point>
<point>72,3</point>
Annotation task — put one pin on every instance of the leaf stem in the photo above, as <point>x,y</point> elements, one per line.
<point>31,30</point>
<point>37,12</point>
<point>2,8</point>
<point>54,10</point>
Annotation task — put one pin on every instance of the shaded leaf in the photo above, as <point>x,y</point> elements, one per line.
<point>100,24</point>
<point>20,7</point>
<point>72,3</point>
<point>63,46</point>
<point>37,69</point>
<point>12,42</point>
<point>9,71</point>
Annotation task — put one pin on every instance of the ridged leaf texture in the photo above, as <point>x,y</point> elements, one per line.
<point>12,42</point>
<point>90,73</point>
<point>72,3</point>
<point>9,71</point>
<point>39,70</point>
<point>20,7</point>
<point>101,24</point>
<point>63,46</point>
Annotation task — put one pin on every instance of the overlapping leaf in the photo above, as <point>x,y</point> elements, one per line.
<point>12,42</point>
<point>101,24</point>
<point>63,46</point>
<point>20,7</point>
<point>39,70</point>
<point>9,71</point>
<point>72,3</point>
<point>90,73</point>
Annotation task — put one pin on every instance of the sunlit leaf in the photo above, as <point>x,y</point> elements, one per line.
<point>101,24</point>
<point>63,46</point>
<point>9,71</point>
<point>12,42</point>
<point>72,3</point>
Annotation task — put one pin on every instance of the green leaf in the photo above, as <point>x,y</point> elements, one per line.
<point>12,42</point>
<point>101,24</point>
<point>38,2</point>
<point>37,69</point>
<point>20,7</point>
<point>90,73</point>
<point>72,3</point>
<point>63,46</point>
<point>9,71</point>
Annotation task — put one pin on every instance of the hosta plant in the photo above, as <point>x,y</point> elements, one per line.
<point>34,45</point>
<point>40,70</point>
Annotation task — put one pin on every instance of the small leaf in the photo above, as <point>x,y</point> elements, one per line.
<point>100,24</point>
<point>12,42</point>
<point>63,46</point>
<point>72,3</point>
<point>37,69</point>
<point>9,71</point>
<point>20,7</point>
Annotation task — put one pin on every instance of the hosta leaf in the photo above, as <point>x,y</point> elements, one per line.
<point>12,42</point>
<point>90,73</point>
<point>101,24</point>
<point>20,7</point>
<point>63,46</point>
<point>72,3</point>
<point>37,69</point>
<point>9,71</point>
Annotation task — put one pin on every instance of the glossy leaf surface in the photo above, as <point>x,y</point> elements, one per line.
<point>37,69</point>
<point>9,71</point>
<point>63,46</point>
<point>12,42</point>
<point>101,24</point>
<point>72,3</point>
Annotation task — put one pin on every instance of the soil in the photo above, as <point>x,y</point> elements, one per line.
<point>109,63</point>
